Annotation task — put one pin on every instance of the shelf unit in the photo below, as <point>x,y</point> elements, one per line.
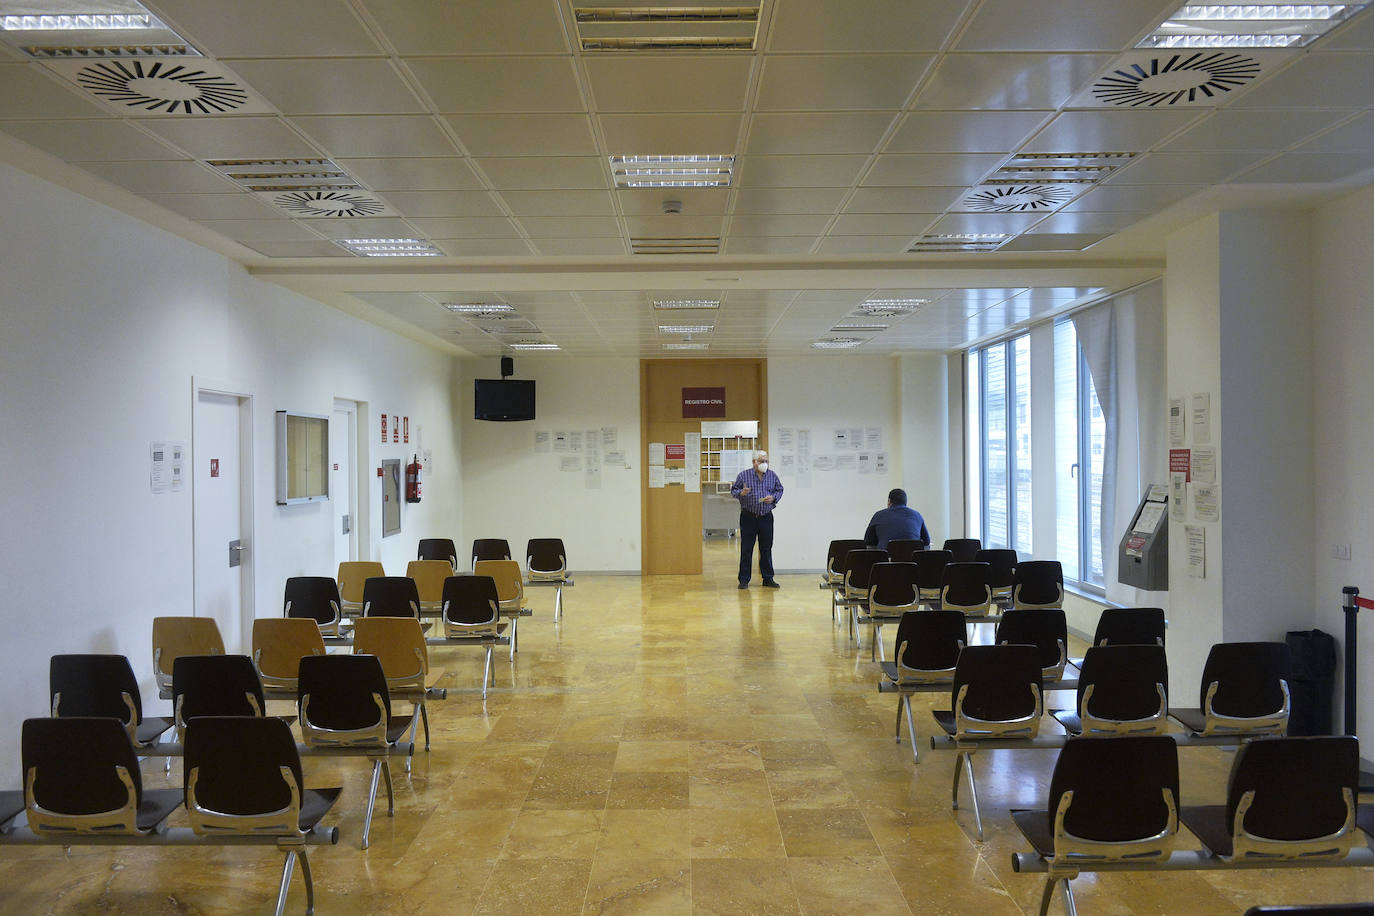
<point>711,448</point>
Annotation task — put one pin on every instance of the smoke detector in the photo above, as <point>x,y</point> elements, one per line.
<point>672,206</point>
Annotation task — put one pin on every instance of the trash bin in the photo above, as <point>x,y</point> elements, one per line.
<point>1311,682</point>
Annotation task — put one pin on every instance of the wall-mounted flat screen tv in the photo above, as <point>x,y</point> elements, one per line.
<point>503,399</point>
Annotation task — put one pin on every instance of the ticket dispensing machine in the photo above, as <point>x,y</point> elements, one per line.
<point>1144,557</point>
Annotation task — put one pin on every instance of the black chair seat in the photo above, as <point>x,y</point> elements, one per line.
<point>1069,719</point>
<point>890,672</point>
<point>156,806</point>
<point>315,804</point>
<point>1191,719</point>
<point>396,728</point>
<point>945,719</point>
<point>1208,823</point>
<point>150,729</point>
<point>1035,827</point>
<point>11,803</point>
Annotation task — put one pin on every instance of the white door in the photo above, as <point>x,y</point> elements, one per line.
<point>218,516</point>
<point>343,485</point>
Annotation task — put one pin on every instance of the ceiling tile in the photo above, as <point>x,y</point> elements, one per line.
<point>695,201</point>
<point>904,200</point>
<point>570,227</point>
<point>538,135</point>
<point>499,84</point>
<point>162,177</point>
<point>824,132</point>
<point>663,134</point>
<point>864,244</point>
<point>792,224</point>
<point>1054,241</point>
<point>270,28</point>
<point>1183,168</point>
<point>536,173</point>
<point>107,140</point>
<point>1251,130</point>
<point>1355,137</point>
<point>395,135</point>
<point>1066,25</point>
<point>909,224</point>
<point>1357,34</point>
<point>788,200</point>
<point>298,249</point>
<point>1086,222</point>
<point>261,230</point>
<point>839,82</point>
<point>377,227</point>
<point>879,25</point>
<point>457,227</point>
<point>445,27</point>
<point>673,226</point>
<point>233,138</point>
<point>985,222</point>
<point>33,91</point>
<point>443,203</point>
<point>1108,131</point>
<point>606,247</point>
<point>1146,199</point>
<point>1008,81</point>
<point>797,171</point>
<point>559,203</point>
<point>668,82</point>
<point>964,131</point>
<point>330,87</point>
<point>1317,81</point>
<point>438,174</point>
<point>919,171</point>
<point>475,248</point>
<point>1309,167</point>
<point>215,206</point>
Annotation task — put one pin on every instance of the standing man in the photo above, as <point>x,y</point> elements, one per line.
<point>897,522</point>
<point>759,491</point>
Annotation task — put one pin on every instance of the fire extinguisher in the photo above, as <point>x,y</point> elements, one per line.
<point>413,481</point>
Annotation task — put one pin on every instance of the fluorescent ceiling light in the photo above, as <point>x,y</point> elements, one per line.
<point>478,308</point>
<point>836,343</point>
<point>1249,25</point>
<point>685,346</point>
<point>534,346</point>
<point>686,303</point>
<point>858,326</point>
<point>685,328</point>
<point>80,22</point>
<point>391,248</point>
<point>672,171</point>
<point>881,308</point>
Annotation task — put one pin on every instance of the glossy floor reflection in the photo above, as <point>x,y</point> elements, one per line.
<point>674,745</point>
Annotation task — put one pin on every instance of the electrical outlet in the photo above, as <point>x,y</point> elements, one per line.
<point>1340,551</point>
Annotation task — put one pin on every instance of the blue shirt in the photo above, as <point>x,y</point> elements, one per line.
<point>758,489</point>
<point>896,523</point>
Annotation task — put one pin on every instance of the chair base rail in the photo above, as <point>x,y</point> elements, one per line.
<point>172,836</point>
<point>1187,860</point>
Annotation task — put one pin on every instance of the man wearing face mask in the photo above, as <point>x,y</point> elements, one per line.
<point>759,491</point>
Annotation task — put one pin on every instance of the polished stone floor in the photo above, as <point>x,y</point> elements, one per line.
<point>674,745</point>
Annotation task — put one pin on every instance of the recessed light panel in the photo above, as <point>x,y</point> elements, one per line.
<point>1059,168</point>
<point>685,328</point>
<point>672,171</point>
<point>1249,25</point>
<point>859,326</point>
<point>961,241</point>
<point>391,248</point>
<point>113,28</point>
<point>260,175</point>
<point>533,345</point>
<point>478,308</point>
<point>888,308</point>
<point>836,343</point>
<point>680,27</point>
<point>685,346</point>
<point>686,303</point>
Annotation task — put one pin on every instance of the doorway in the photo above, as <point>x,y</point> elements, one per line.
<point>222,510</point>
<point>343,483</point>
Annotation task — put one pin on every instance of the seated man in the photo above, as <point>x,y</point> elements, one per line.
<point>897,522</point>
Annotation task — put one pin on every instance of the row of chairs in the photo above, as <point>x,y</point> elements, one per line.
<point>544,557</point>
<point>363,588</point>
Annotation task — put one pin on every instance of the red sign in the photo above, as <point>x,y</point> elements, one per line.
<point>1180,463</point>
<point>675,452</point>
<point>395,428</point>
<point>703,402</point>
<point>383,429</point>
<point>405,426</point>
<point>214,467</point>
<point>379,472</point>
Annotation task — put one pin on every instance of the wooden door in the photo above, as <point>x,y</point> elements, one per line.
<point>671,517</point>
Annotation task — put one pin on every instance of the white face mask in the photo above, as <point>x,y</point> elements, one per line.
<point>763,467</point>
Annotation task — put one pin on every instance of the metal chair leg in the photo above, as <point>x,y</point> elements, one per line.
<point>514,635</point>
<point>973,797</point>
<point>1068,899</point>
<point>309,883</point>
<point>390,792</point>
<point>287,869</point>
<point>898,731</point>
<point>486,674</point>
<point>878,641</point>
<point>371,801</point>
<point>1047,894</point>
<point>911,728</point>
<point>954,789</point>
<point>424,720</point>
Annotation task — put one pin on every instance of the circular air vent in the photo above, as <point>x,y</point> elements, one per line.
<point>1176,79</point>
<point>329,203</point>
<point>1018,198</point>
<point>162,86</point>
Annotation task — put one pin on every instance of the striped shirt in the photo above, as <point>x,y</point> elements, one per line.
<point>768,486</point>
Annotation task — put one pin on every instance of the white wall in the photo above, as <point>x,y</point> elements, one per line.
<point>103,323</point>
<point>926,432</point>
<point>1343,429</point>
<point>511,492</point>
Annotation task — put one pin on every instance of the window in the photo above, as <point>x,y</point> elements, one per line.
<point>1080,434</point>
<point>999,450</point>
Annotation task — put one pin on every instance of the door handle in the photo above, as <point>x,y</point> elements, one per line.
<point>236,549</point>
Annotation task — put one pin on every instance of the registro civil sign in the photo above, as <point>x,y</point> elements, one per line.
<point>703,402</point>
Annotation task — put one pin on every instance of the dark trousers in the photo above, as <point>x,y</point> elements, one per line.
<point>755,528</point>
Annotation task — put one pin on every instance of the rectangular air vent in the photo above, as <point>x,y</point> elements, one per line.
<point>686,345</point>
<point>836,343</point>
<point>285,174</point>
<point>533,345</point>
<point>1059,168</point>
<point>492,309</point>
<point>961,241</point>
<point>665,304</point>
<point>684,245</point>
<point>676,27</point>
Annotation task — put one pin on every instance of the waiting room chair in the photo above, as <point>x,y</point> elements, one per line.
<point>399,644</point>
<point>81,776</point>
<point>546,560</point>
<point>316,598</point>
<point>834,570</point>
<point>962,550</point>
<point>996,695</point>
<point>1122,690</point>
<point>1046,629</point>
<point>391,596</point>
<point>510,590</point>
<point>858,568</point>
<point>1244,691</point>
<point>965,587</point>
<point>429,576</point>
<point>1287,798</point>
<point>1037,584</point>
<point>930,572</point>
<point>174,637</point>
<point>904,550</point>
<point>104,686</point>
<point>352,578</point>
<point>344,702</point>
<point>891,593</point>
<point>1001,570</point>
<point>489,549</point>
<point>215,685</point>
<point>927,651</point>
<point>1110,799</point>
<point>438,549</point>
<point>472,610</point>
<point>243,778</point>
<point>279,644</point>
<point>1126,626</point>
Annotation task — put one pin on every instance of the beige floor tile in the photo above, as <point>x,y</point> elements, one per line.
<point>851,884</point>
<point>648,790</point>
<point>733,886</point>
<point>652,756</point>
<point>656,834</point>
<point>740,833</point>
<point>826,832</point>
<point>541,834</point>
<point>639,886</point>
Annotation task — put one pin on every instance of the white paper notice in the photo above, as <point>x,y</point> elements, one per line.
<point>610,438</point>
<point>656,454</point>
<point>693,480</point>
<point>804,440</point>
<point>656,477</point>
<point>786,438</point>
<point>691,446</point>
<point>1204,464</point>
<point>593,474</point>
<point>840,439</point>
<point>1178,495</point>
<point>1178,422</point>
<point>787,463</point>
<point>1207,502</point>
<point>592,438</point>
<point>1149,517</point>
<point>560,440</point>
<point>880,462</point>
<point>675,476</point>
<point>804,471</point>
<point>865,463</point>
<point>856,437</point>
<point>873,438</point>
<point>1202,418</point>
<point>846,462</point>
<point>824,463</point>
<point>160,466</point>
<point>571,463</point>
<point>1158,493</point>
<point>575,441</point>
<point>615,459</point>
<point>542,442</point>
<point>1196,538</point>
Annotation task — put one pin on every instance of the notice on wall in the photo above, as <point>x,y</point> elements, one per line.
<point>846,462</point>
<point>839,440</point>
<point>395,429</point>
<point>1178,496</point>
<point>616,459</point>
<point>383,429</point>
<point>592,440</point>
<point>804,441</point>
<point>691,444</point>
<point>675,452</point>
<point>865,463</point>
<point>543,444</point>
<point>1181,462</point>
<point>880,462</point>
<point>786,464</point>
<point>592,475</point>
<point>803,477</point>
<point>560,440</point>
<point>873,438</point>
<point>1204,465</point>
<point>1158,493</point>
<point>675,476</point>
<point>856,437</point>
<point>656,477</point>
<point>570,463</point>
<point>655,454</point>
<point>692,481</point>
<point>1195,537</point>
<point>824,463</point>
<point>167,466</point>
<point>1178,422</point>
<point>1202,418</point>
<point>575,441</point>
<point>610,438</point>
<point>786,438</point>
<point>1207,502</point>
